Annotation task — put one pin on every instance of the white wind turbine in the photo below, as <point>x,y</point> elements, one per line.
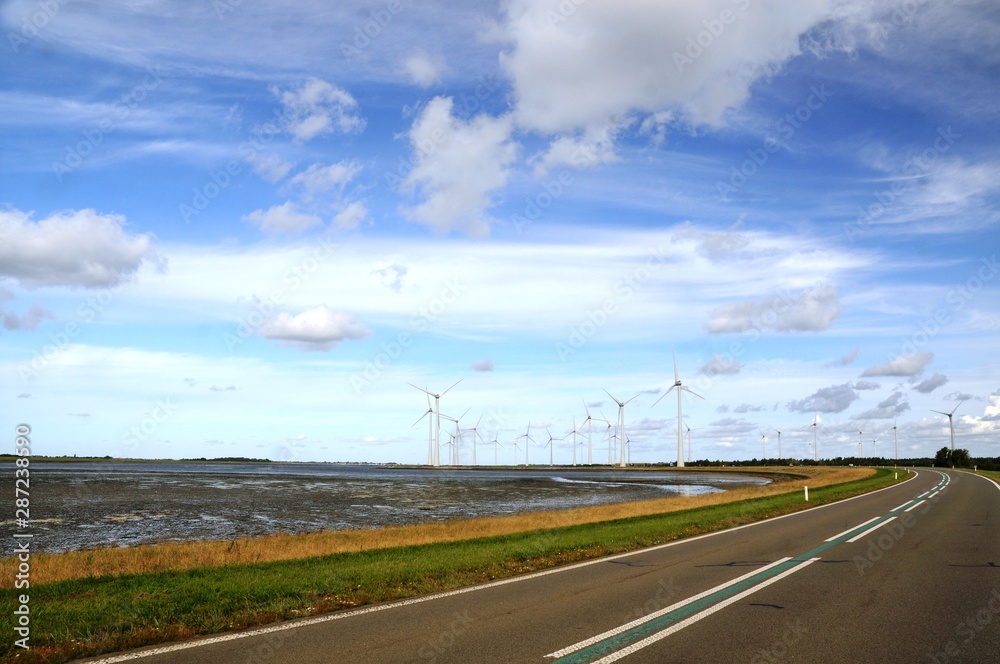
<point>590,433</point>
<point>496,448</point>
<point>680,421</point>
<point>527,442</point>
<point>763,445</point>
<point>608,433</point>
<point>875,446</point>
<point>861,445</point>
<point>621,424</point>
<point>779,444</point>
<point>689,441</point>
<point>475,434</point>
<point>437,418</point>
<point>895,441</point>
<point>430,431</point>
<point>814,426</point>
<point>549,444</point>
<point>951,425</point>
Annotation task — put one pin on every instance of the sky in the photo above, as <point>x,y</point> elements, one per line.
<point>237,228</point>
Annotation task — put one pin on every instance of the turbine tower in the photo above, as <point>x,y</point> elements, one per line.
<point>779,444</point>
<point>895,441</point>
<point>621,424</point>
<point>861,446</point>
<point>437,418</point>
<point>680,420</point>
<point>430,431</point>
<point>590,433</point>
<point>951,425</point>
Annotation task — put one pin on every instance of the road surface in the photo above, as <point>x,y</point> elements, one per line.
<point>906,574</point>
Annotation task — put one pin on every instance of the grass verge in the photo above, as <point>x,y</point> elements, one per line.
<point>90,616</point>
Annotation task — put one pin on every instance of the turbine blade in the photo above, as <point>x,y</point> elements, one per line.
<point>956,408</point>
<point>585,406</point>
<point>421,389</point>
<point>690,391</point>
<point>453,385</point>
<point>676,375</point>
<point>426,413</point>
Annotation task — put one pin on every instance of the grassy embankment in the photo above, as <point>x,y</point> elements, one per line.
<point>91,615</point>
<point>992,474</point>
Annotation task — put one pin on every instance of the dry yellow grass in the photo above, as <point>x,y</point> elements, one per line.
<point>52,567</point>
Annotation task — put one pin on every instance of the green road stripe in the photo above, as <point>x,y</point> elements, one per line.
<point>639,632</point>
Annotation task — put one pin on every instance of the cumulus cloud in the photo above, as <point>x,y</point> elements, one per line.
<point>458,165</point>
<point>284,218</point>
<point>318,328</point>
<point>593,146</point>
<point>903,365</point>
<point>423,69</point>
<point>748,408</point>
<point>721,365</point>
<point>850,357</point>
<point>485,364</point>
<point>270,167</point>
<point>351,216</point>
<point>891,407</point>
<point>928,385</point>
<point>833,399</point>
<point>810,311</point>
<point>72,248</point>
<point>571,69</point>
<point>317,108</point>
<point>319,179</point>
<point>866,385</point>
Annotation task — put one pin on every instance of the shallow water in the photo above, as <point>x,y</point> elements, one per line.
<point>79,505</point>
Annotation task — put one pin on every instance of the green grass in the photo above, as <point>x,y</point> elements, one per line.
<point>992,474</point>
<point>92,616</point>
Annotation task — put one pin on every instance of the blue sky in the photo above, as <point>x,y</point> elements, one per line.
<point>242,229</point>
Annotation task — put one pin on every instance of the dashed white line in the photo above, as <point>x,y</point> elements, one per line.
<point>873,528</point>
<point>852,528</point>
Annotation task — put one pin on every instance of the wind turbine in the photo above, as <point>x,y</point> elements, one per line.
<point>895,441</point>
<point>527,440</point>
<point>549,445</point>
<point>763,445</point>
<point>590,433</point>
<point>430,431</point>
<point>437,418</point>
<point>475,433</point>
<point>496,448</point>
<point>680,420</point>
<point>815,444</point>
<point>861,445</point>
<point>517,448</point>
<point>621,423</point>
<point>779,444</point>
<point>951,425</point>
<point>875,446</point>
<point>609,435</point>
<point>689,442</point>
<point>574,440</point>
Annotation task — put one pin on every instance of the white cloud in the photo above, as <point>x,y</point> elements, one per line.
<point>270,167</point>
<point>71,248</point>
<point>459,164</point>
<point>850,357</point>
<point>811,311</point>
<point>392,276</point>
<point>284,218</point>
<point>318,328</point>
<point>318,179</point>
<point>424,69</point>
<point>485,364</point>
<point>351,216</point>
<point>318,108</point>
<point>748,408</point>
<point>594,146</point>
<point>833,399</point>
<point>866,385</point>
<point>714,245</point>
<point>930,384</point>
<point>572,69</point>
<point>903,365</point>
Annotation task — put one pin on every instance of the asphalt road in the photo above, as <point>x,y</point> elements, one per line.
<point>906,574</point>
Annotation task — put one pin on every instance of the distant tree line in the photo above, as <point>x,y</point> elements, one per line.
<point>944,458</point>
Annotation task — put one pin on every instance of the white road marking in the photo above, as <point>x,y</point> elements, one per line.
<point>662,612</point>
<point>915,506</point>
<point>901,506</point>
<point>653,638</point>
<point>873,528</point>
<point>839,535</point>
<point>933,494</point>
